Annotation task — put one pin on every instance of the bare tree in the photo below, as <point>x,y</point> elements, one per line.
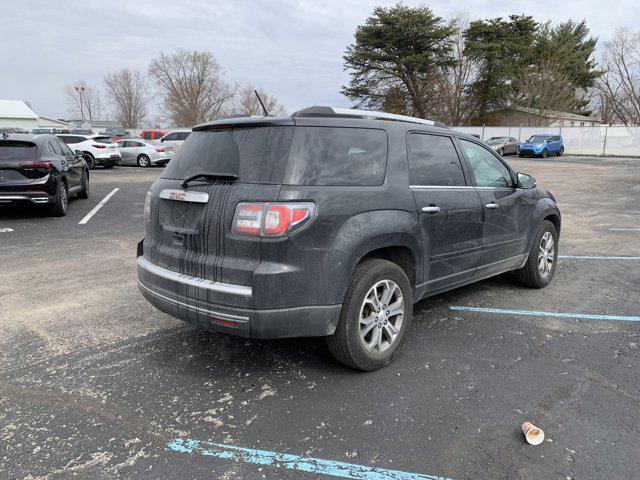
<point>248,103</point>
<point>620,84</point>
<point>84,101</point>
<point>545,88</point>
<point>456,102</point>
<point>126,92</point>
<point>192,86</point>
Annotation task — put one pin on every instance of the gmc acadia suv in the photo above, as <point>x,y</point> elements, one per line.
<point>334,222</point>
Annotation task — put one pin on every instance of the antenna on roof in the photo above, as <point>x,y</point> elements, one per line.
<point>266,114</point>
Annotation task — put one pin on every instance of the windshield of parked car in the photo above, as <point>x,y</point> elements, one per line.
<point>11,149</point>
<point>539,138</point>
<point>495,140</point>
<point>253,155</point>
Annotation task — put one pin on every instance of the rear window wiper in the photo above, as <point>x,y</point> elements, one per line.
<point>209,175</point>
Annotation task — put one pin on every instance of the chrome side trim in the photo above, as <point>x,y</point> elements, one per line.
<point>11,198</point>
<point>206,311</point>
<point>193,281</point>
<point>184,196</point>
<point>457,187</point>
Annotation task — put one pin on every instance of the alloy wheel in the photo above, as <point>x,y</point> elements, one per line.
<point>381,316</point>
<point>546,255</point>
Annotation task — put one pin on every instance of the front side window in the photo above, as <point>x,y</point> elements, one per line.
<point>433,161</point>
<point>337,156</point>
<point>487,169</point>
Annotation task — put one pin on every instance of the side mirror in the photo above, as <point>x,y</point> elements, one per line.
<point>526,181</point>
<point>162,139</point>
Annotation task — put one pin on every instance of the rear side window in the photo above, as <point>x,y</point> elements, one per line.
<point>10,149</point>
<point>337,156</point>
<point>255,155</point>
<point>433,161</point>
<point>182,135</point>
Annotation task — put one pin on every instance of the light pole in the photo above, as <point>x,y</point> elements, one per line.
<point>80,90</point>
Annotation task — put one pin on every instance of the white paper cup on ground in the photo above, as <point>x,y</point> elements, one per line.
<point>533,434</point>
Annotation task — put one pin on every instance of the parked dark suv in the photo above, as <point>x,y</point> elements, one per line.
<point>334,222</point>
<point>41,170</point>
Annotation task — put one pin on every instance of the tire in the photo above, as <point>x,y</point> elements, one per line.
<point>58,207</point>
<point>84,192</point>
<point>560,152</point>
<point>346,344</point>
<point>531,274</point>
<point>91,162</point>
<point>143,161</point>
<point>501,152</point>
<point>544,153</point>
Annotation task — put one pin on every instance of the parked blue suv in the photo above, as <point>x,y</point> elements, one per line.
<point>542,145</point>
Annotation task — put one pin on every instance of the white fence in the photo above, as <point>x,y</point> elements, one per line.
<point>588,140</point>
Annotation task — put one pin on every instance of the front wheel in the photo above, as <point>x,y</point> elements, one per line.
<point>143,161</point>
<point>541,265</point>
<point>501,152</point>
<point>544,153</point>
<point>376,316</point>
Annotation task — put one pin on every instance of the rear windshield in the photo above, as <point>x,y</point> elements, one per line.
<point>16,150</point>
<point>102,139</point>
<point>337,156</point>
<point>255,155</point>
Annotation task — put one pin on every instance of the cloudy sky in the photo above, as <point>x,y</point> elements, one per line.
<point>290,48</point>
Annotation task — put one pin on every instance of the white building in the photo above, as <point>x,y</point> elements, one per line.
<point>16,113</point>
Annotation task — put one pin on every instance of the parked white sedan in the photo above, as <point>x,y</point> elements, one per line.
<point>143,153</point>
<point>175,139</point>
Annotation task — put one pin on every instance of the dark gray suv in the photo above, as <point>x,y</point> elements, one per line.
<point>334,222</point>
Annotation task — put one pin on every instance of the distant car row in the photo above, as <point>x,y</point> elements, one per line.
<point>174,138</point>
<point>540,145</point>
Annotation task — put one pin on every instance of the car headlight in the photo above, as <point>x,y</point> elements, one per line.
<point>539,145</point>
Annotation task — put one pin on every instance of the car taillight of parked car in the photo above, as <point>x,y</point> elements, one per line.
<point>267,219</point>
<point>45,165</point>
<point>98,146</point>
<point>147,206</point>
<point>160,150</point>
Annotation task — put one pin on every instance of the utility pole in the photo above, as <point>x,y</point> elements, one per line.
<point>80,91</point>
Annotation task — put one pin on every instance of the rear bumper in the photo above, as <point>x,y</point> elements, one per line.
<point>222,306</point>
<point>108,159</point>
<point>23,198</point>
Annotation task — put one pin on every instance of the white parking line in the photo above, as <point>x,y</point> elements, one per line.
<point>98,207</point>
<point>6,230</point>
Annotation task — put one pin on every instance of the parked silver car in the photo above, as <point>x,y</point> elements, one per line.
<point>143,153</point>
<point>503,145</point>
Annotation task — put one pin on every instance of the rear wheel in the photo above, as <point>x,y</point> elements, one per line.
<point>541,265</point>
<point>58,207</point>
<point>561,151</point>
<point>84,191</point>
<point>91,162</point>
<point>143,161</point>
<point>376,316</point>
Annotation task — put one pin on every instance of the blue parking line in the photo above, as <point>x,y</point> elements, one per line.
<point>293,462</point>
<point>598,257</point>
<point>538,313</point>
<point>625,229</point>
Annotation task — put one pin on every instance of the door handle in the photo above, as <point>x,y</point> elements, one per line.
<point>492,205</point>
<point>431,209</point>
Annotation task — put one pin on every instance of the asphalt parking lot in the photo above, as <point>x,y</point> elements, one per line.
<point>95,383</point>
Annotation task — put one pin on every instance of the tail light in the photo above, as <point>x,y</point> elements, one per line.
<point>147,206</point>
<point>160,150</point>
<point>46,165</point>
<point>272,219</point>
<point>99,146</point>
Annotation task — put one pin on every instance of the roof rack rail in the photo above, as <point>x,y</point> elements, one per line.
<point>319,111</point>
